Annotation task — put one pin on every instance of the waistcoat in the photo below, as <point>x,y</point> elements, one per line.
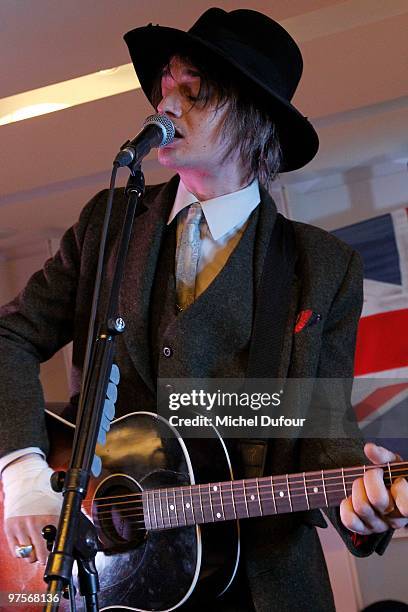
<point>210,338</point>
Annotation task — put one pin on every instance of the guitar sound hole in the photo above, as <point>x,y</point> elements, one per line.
<point>117,511</point>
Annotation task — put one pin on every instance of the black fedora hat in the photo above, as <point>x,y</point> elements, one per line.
<point>263,53</point>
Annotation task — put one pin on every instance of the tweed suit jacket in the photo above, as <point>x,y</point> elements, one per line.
<point>282,555</point>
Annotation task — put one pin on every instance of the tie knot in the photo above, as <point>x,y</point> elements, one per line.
<point>194,213</point>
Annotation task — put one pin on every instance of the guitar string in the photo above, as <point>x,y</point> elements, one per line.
<point>347,475</point>
<point>234,499</point>
<point>163,492</point>
<point>207,506</point>
<point>227,486</point>
<point>173,521</point>
<point>238,499</point>
<point>179,523</point>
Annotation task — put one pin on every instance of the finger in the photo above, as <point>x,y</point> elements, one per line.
<point>378,495</point>
<point>350,519</point>
<point>378,454</point>
<point>364,509</point>
<point>11,539</point>
<point>397,523</point>
<point>36,525</point>
<point>23,537</point>
<point>399,491</point>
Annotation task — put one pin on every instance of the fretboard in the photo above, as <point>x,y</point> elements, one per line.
<point>254,497</point>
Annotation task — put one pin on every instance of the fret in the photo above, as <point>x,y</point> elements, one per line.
<point>334,486</point>
<point>182,506</point>
<point>273,496</point>
<point>252,496</point>
<point>259,496</point>
<point>297,499</point>
<point>168,508</point>
<point>314,491</point>
<point>201,504</point>
<point>161,507</point>
<point>192,504</point>
<point>216,504</point>
<point>324,489</point>
<point>306,495</point>
<point>206,503</point>
<point>221,501</point>
<point>389,473</point>
<point>175,507</point>
<point>281,495</point>
<point>344,482</point>
<point>233,500</point>
<point>146,497</point>
<point>154,510</point>
<point>226,501</point>
<point>245,497</point>
<point>290,498</point>
<point>189,506</point>
<point>211,504</point>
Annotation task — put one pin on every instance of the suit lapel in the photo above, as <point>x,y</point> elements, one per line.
<point>289,329</point>
<point>135,293</point>
<point>266,224</point>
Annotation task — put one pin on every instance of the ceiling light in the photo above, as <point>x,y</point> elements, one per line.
<point>34,110</point>
<point>65,94</point>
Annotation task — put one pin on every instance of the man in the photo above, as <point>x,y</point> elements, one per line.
<point>195,282</point>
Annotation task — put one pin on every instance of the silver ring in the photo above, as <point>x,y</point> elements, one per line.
<point>22,552</point>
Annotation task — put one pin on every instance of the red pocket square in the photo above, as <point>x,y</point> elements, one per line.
<point>306,318</point>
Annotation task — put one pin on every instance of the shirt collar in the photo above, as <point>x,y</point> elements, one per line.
<point>223,213</point>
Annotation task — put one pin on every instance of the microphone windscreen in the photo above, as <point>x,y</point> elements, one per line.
<point>166,125</point>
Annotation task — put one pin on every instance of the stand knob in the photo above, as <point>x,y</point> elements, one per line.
<point>48,533</point>
<point>57,481</point>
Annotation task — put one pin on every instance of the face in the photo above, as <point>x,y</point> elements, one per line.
<point>198,146</point>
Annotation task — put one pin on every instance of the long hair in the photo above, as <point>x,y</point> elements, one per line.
<point>248,127</point>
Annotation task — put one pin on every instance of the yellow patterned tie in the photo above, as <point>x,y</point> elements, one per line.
<point>187,256</point>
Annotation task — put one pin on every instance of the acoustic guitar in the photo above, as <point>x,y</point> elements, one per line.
<point>167,513</point>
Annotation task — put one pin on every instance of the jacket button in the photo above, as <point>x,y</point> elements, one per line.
<point>167,352</point>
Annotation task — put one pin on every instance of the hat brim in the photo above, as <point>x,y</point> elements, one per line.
<point>151,47</point>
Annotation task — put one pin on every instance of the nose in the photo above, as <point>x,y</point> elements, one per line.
<point>171,104</point>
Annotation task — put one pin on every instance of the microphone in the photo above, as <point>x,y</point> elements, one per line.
<point>157,131</point>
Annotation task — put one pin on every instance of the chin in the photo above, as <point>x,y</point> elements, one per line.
<point>170,158</point>
<point>166,157</point>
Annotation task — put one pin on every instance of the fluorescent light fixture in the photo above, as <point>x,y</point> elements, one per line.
<point>51,98</point>
<point>31,111</point>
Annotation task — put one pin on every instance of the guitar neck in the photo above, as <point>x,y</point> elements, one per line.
<point>254,497</point>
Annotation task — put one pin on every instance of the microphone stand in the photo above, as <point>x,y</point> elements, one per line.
<point>76,537</point>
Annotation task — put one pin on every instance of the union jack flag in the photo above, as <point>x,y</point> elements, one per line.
<point>380,393</point>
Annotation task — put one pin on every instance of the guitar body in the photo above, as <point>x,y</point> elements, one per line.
<point>166,510</point>
<point>161,569</point>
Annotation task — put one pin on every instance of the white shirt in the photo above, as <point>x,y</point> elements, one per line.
<point>224,222</point>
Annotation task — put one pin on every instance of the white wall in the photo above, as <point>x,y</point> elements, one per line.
<point>342,199</point>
